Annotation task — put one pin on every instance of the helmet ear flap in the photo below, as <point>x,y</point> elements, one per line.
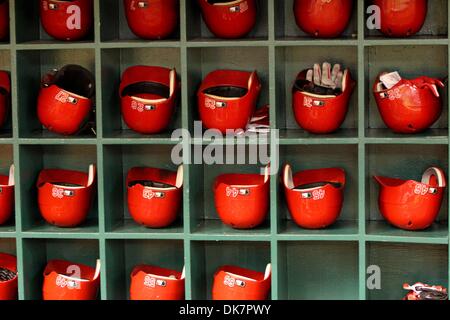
<point>438,175</point>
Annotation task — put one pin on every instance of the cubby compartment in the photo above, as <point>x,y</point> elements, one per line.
<point>202,61</point>
<point>114,63</point>
<point>29,28</point>
<point>122,256</point>
<point>286,27</point>
<point>318,270</point>
<point>6,160</point>
<point>307,157</point>
<point>5,65</point>
<point>435,26</point>
<point>38,252</point>
<point>411,62</point>
<point>117,161</point>
<point>197,30</point>
<point>208,256</point>
<point>290,61</point>
<point>403,162</point>
<point>396,264</point>
<point>32,65</point>
<point>33,159</point>
<point>207,165</point>
<point>114,24</point>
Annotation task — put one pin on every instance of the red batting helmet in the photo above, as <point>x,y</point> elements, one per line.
<point>154,196</point>
<point>155,283</point>
<point>242,200</point>
<point>402,18</point>
<point>148,98</point>
<point>227,99</point>
<point>65,196</point>
<point>6,196</point>
<point>8,277</point>
<point>235,283</point>
<point>64,280</point>
<point>314,197</point>
<point>65,99</point>
<point>411,106</point>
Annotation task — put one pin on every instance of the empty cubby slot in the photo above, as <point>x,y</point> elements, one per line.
<point>202,61</point>
<point>435,25</point>
<point>6,160</point>
<point>290,61</point>
<point>231,159</point>
<point>286,27</point>
<point>29,28</point>
<point>33,159</point>
<point>115,26</point>
<point>310,157</point>
<point>390,265</point>
<point>318,270</point>
<point>122,256</point>
<point>207,257</point>
<point>406,162</point>
<point>38,252</point>
<point>114,63</point>
<point>32,65</point>
<point>198,31</point>
<point>6,126</point>
<point>117,162</point>
<point>381,59</point>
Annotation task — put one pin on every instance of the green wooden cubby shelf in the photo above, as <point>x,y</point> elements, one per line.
<point>325,264</point>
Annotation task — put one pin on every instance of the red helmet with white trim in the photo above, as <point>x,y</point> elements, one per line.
<point>242,200</point>
<point>314,197</point>
<point>8,277</point>
<point>4,19</point>
<point>323,18</point>
<point>235,283</point>
<point>65,196</point>
<point>152,19</point>
<point>148,98</point>
<point>402,18</point>
<point>5,92</point>
<point>64,280</point>
<point>321,109</point>
<point>66,99</point>
<point>410,106</point>
<point>227,99</point>
<point>409,204</point>
<point>229,19</point>
<point>67,19</point>
<point>154,196</point>
<point>7,196</point>
<point>155,283</point>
